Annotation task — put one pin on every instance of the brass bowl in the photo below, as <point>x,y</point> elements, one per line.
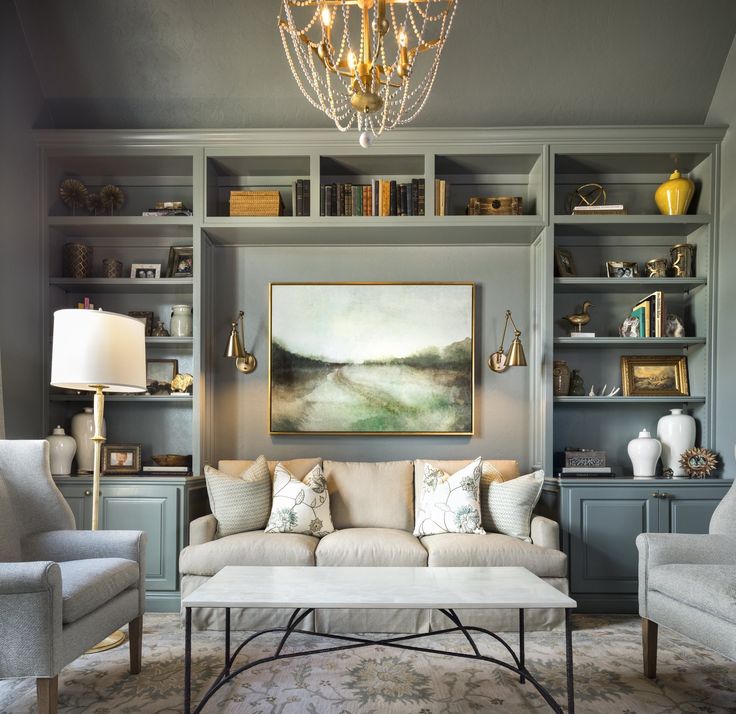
<point>170,460</point>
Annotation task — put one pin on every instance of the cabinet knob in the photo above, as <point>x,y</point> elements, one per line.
<point>656,494</point>
<point>88,492</point>
<point>664,494</point>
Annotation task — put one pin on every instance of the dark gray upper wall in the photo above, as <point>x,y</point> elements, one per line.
<point>198,63</point>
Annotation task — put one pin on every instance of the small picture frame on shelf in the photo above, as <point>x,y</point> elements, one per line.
<point>121,458</point>
<point>145,317</point>
<point>145,271</point>
<point>160,374</point>
<point>622,269</point>
<point>181,262</point>
<point>564,263</point>
<point>655,376</point>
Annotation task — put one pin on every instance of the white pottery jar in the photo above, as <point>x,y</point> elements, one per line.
<point>644,452</point>
<point>181,321</point>
<point>83,429</point>
<point>676,431</point>
<point>61,451</point>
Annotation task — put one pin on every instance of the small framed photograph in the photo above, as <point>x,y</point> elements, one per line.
<point>145,270</point>
<point>121,458</point>
<point>564,263</point>
<point>654,376</point>
<point>181,262</point>
<point>145,317</point>
<point>622,269</point>
<point>161,371</point>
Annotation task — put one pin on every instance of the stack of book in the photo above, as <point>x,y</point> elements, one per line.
<point>300,197</point>
<point>441,197</point>
<point>380,197</point>
<point>651,314</point>
<point>166,471</point>
<point>168,208</point>
<point>605,209</point>
<point>586,471</point>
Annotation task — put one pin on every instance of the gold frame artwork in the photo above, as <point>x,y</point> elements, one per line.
<point>676,362</point>
<point>270,414</point>
<point>109,469</point>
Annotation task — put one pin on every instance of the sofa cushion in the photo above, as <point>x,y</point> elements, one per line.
<point>240,503</point>
<point>371,495</point>
<point>251,548</point>
<point>298,467</point>
<point>90,583</point>
<point>508,506</point>
<point>388,547</point>
<point>710,588</point>
<point>461,549</point>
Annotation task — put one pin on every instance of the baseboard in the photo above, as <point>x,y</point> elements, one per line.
<point>606,604</point>
<point>163,601</point>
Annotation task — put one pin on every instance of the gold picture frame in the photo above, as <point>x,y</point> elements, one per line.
<point>564,263</point>
<point>121,459</point>
<point>654,376</point>
<point>281,403</point>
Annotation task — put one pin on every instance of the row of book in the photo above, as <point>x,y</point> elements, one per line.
<point>380,197</point>
<point>651,314</point>
<point>300,196</point>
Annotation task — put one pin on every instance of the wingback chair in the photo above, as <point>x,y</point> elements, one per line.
<point>61,590</point>
<point>688,583</point>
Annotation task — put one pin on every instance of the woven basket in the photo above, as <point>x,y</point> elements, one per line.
<point>496,206</point>
<point>256,203</point>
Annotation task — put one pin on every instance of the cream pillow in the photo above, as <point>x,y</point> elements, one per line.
<point>300,506</point>
<point>239,503</point>
<point>508,505</point>
<point>450,503</point>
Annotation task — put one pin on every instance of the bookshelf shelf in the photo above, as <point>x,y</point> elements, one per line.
<point>629,342</point>
<point>176,286</point>
<point>628,401</point>
<point>184,401</point>
<point>631,225</point>
<point>627,285</point>
<point>122,226</point>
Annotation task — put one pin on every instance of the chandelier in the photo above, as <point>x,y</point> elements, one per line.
<point>366,63</point>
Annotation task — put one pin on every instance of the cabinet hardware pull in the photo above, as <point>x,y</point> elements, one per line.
<point>656,494</point>
<point>88,493</point>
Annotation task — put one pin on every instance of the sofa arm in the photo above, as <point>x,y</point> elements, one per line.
<point>675,548</point>
<point>202,530</point>
<point>30,619</point>
<point>81,545</point>
<point>545,532</point>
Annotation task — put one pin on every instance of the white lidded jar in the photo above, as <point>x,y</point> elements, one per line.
<point>644,453</point>
<point>676,431</point>
<point>181,321</point>
<point>83,429</point>
<point>61,451</point>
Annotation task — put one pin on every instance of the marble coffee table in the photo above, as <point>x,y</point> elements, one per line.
<point>305,589</point>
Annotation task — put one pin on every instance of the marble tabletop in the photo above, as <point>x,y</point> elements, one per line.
<point>376,588</point>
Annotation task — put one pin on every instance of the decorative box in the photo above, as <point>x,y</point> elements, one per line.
<point>496,206</point>
<point>584,458</point>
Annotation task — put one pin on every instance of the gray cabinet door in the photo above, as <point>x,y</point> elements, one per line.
<point>152,509</point>
<point>79,498</point>
<point>688,510</point>
<point>603,526</point>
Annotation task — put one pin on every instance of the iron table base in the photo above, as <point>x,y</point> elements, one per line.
<point>351,642</point>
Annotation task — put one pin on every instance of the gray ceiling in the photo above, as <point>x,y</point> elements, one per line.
<point>219,63</point>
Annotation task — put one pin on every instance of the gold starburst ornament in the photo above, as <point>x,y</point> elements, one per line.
<point>74,194</point>
<point>698,462</point>
<point>112,198</point>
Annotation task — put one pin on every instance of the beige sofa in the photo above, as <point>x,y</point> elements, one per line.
<point>373,511</point>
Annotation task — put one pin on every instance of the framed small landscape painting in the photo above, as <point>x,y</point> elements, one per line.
<point>367,358</point>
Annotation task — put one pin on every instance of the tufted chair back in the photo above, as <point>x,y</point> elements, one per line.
<point>723,520</point>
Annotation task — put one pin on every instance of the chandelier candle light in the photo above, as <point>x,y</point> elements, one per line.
<point>373,78</point>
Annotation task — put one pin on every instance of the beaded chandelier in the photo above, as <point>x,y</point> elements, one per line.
<point>366,63</point>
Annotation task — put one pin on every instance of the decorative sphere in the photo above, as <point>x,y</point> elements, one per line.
<point>366,139</point>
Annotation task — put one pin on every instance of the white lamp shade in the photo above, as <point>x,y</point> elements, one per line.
<point>94,348</point>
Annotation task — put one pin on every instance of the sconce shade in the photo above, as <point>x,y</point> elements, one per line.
<point>93,348</point>
<point>516,357</point>
<point>234,345</point>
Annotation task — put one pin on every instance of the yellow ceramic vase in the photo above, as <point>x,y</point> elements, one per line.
<point>673,196</point>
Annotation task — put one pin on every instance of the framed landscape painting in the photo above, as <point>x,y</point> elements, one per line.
<point>367,358</point>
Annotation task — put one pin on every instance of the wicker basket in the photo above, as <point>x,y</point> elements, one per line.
<point>256,203</point>
<point>496,206</point>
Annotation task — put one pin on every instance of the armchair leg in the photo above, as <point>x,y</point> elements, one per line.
<point>47,694</point>
<point>649,645</point>
<point>135,634</point>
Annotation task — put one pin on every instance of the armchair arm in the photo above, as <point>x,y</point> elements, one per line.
<point>81,545</point>
<point>30,619</point>
<point>545,532</point>
<point>202,530</point>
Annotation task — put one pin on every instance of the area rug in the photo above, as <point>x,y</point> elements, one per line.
<point>379,680</point>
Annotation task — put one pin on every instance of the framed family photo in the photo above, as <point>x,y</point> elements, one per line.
<point>121,458</point>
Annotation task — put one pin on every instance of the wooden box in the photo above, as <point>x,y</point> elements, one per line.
<point>256,203</point>
<point>495,206</point>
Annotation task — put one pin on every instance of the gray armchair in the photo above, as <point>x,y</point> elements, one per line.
<point>688,582</point>
<point>61,590</point>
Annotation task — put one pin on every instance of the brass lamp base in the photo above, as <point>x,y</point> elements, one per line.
<point>113,640</point>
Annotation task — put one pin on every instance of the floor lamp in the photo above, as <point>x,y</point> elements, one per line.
<point>96,351</point>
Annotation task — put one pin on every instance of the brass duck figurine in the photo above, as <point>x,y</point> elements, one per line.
<point>578,319</point>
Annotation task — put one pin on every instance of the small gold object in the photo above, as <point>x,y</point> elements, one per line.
<point>657,268</point>
<point>683,260</point>
<point>183,382</point>
<point>578,319</point>
<point>589,194</point>
<point>699,462</point>
<point>245,362</point>
<point>74,194</point>
<point>500,361</point>
<point>112,198</point>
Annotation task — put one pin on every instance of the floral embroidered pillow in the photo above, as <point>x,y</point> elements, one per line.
<point>450,503</point>
<point>300,506</point>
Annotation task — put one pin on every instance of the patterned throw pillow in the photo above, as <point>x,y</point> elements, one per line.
<point>240,503</point>
<point>450,503</point>
<point>508,506</point>
<point>300,506</point>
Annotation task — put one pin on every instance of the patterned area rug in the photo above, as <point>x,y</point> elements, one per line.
<point>379,680</point>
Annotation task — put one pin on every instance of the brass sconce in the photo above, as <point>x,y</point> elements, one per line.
<point>500,361</point>
<point>245,362</point>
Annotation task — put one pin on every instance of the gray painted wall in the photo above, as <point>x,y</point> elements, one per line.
<point>723,111</point>
<point>20,289</point>
<point>502,277</point>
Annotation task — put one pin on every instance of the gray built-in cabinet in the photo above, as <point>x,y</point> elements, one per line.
<point>541,165</point>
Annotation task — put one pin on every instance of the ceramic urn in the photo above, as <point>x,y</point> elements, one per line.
<point>61,451</point>
<point>674,195</point>
<point>644,453</point>
<point>676,432</point>
<point>83,429</point>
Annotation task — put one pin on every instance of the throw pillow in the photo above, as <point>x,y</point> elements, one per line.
<point>508,506</point>
<point>240,503</point>
<point>450,503</point>
<point>300,506</point>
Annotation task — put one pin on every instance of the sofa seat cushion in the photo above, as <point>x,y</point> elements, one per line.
<point>387,547</point>
<point>462,549</point>
<point>90,583</point>
<point>710,588</point>
<point>251,548</point>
